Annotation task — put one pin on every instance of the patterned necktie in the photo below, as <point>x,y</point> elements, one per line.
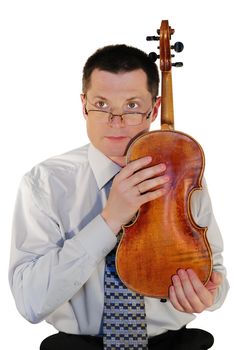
<point>124,324</point>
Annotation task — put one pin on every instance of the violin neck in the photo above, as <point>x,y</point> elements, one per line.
<point>167,110</point>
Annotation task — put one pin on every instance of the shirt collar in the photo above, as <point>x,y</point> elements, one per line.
<point>103,168</point>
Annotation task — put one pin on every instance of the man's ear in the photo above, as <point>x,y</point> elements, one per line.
<point>83,101</point>
<point>155,108</point>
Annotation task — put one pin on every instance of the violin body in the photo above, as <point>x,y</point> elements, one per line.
<point>164,237</point>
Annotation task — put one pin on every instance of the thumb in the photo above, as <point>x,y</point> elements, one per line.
<point>216,278</point>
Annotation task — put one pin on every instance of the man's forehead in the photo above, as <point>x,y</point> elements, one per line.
<point>138,73</point>
<point>105,98</point>
<point>131,84</point>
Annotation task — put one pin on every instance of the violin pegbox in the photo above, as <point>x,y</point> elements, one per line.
<point>164,36</point>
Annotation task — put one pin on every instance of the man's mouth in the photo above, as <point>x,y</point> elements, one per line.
<point>117,138</point>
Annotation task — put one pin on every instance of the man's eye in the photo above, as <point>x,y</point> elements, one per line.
<point>132,105</point>
<point>101,104</point>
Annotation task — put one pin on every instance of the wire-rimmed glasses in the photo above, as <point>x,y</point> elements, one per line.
<point>129,119</point>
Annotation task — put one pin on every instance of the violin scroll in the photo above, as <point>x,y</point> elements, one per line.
<point>165,33</point>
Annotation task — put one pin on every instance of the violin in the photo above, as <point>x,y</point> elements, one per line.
<point>164,236</point>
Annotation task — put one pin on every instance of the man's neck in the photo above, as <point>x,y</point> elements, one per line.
<point>121,161</point>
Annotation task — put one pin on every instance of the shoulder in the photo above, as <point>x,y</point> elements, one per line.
<point>69,161</point>
<point>57,170</point>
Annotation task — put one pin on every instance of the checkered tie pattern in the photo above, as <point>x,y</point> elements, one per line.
<point>124,323</point>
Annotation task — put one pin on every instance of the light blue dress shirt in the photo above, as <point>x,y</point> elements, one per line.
<point>60,240</point>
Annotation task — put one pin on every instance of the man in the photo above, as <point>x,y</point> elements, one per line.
<point>71,208</point>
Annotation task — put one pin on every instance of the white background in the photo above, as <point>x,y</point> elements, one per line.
<point>44,45</point>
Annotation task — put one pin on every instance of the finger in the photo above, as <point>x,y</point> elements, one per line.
<point>152,183</point>
<point>194,291</point>
<point>147,173</point>
<point>204,295</point>
<point>155,194</point>
<point>178,296</point>
<point>132,167</point>
<point>173,299</point>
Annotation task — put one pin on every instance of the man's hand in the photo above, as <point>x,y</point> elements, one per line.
<point>188,294</point>
<point>131,188</point>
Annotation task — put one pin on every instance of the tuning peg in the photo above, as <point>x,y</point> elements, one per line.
<point>177,64</point>
<point>153,37</point>
<point>153,56</point>
<point>178,46</point>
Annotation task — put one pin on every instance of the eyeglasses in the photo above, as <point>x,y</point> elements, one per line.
<point>129,119</point>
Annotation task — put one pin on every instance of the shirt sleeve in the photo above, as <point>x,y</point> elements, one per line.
<point>44,273</point>
<point>203,215</point>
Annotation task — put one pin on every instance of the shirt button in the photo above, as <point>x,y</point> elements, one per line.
<point>76,283</point>
<point>163,300</point>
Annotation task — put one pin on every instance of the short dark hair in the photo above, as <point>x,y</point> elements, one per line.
<point>121,58</point>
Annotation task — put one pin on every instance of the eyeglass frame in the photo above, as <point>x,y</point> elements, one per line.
<point>112,115</point>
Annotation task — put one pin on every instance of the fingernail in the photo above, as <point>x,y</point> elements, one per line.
<point>181,272</point>
<point>175,278</point>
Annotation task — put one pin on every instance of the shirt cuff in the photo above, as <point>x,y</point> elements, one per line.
<point>97,238</point>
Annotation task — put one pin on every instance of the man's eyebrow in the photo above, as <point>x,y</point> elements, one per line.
<point>134,98</point>
<point>128,99</point>
<point>101,97</point>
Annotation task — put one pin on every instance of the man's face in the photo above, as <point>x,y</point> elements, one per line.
<point>117,93</point>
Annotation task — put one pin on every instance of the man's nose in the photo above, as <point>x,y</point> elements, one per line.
<point>116,121</point>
